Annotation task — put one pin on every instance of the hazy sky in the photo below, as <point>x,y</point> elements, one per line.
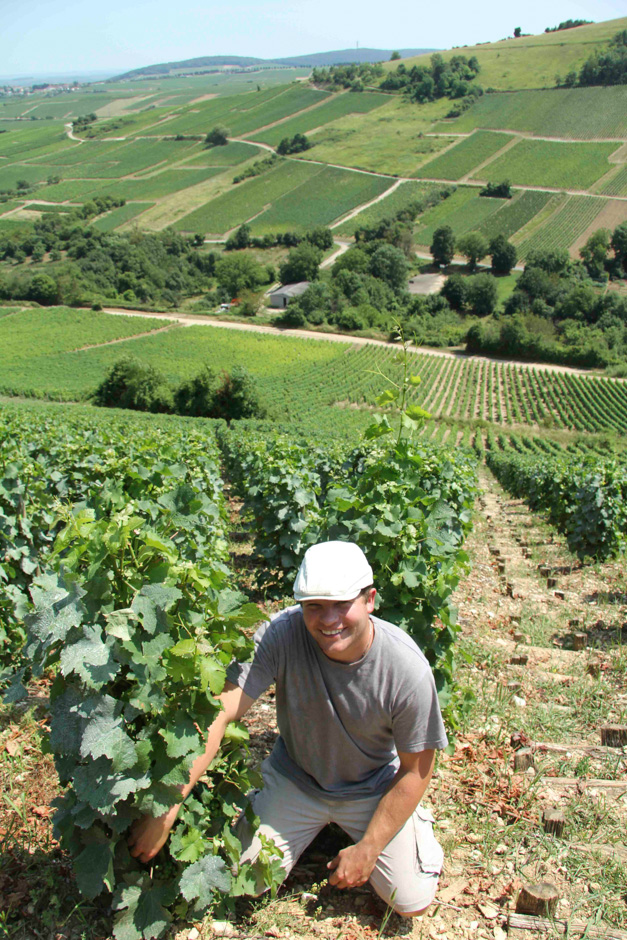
<point>62,35</point>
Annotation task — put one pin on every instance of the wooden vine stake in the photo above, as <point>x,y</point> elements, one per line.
<point>539,899</point>
<point>553,821</point>
<point>614,735</point>
<point>523,759</point>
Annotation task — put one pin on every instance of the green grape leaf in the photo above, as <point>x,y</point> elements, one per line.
<point>96,784</point>
<point>105,737</point>
<point>212,675</point>
<point>94,869</point>
<point>236,732</point>
<point>188,845</point>
<point>181,736</point>
<point>205,876</point>
<point>142,913</point>
<point>90,658</point>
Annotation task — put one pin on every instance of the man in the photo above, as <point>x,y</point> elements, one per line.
<point>359,724</point>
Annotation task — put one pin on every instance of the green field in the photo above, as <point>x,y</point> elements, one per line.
<point>232,154</point>
<point>406,193</point>
<point>32,342</point>
<point>464,156</point>
<point>563,227</point>
<point>247,199</point>
<point>337,107</point>
<point>119,216</point>
<point>21,141</point>
<point>579,113</point>
<point>463,211</point>
<point>531,61</point>
<point>9,175</point>
<point>74,190</point>
<point>244,112</point>
<point>320,200</point>
<point>391,139</point>
<point>617,185</point>
<point>156,186</point>
<point>63,374</point>
<point>548,163</point>
<point>514,213</point>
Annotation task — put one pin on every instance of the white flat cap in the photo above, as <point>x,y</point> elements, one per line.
<point>334,571</point>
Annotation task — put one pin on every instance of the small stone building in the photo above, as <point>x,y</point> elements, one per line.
<point>282,295</point>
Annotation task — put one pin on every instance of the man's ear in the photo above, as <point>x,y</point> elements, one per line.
<point>370,596</point>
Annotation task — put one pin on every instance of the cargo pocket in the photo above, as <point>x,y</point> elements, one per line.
<point>429,856</point>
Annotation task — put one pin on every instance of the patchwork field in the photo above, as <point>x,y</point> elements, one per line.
<point>232,154</point>
<point>401,197</point>
<point>514,214</point>
<point>548,163</point>
<point>320,200</point>
<point>331,110</point>
<point>463,211</point>
<point>465,156</point>
<point>581,113</point>
<point>617,185</point>
<point>119,216</point>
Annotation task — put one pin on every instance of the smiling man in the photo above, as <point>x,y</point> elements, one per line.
<point>359,724</point>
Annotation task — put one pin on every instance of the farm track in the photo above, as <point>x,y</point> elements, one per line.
<point>487,814</point>
<point>192,320</point>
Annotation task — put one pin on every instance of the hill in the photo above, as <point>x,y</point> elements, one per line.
<point>531,61</point>
<point>335,57</point>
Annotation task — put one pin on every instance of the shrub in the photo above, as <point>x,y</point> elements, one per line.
<point>131,383</point>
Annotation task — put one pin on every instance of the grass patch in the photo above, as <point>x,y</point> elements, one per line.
<point>389,139</point>
<point>232,154</point>
<point>464,215</point>
<point>339,106</point>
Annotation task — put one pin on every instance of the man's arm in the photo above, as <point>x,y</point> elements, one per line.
<point>353,865</point>
<point>149,833</point>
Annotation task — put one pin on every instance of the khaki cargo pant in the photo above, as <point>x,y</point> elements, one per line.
<point>409,865</point>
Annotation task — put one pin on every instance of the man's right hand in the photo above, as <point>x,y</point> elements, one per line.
<point>149,834</point>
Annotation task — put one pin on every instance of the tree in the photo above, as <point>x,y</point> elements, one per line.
<point>473,246</point>
<point>594,252</point>
<point>504,255</point>
<point>482,294</point>
<point>619,243</point>
<point>239,239</point>
<point>455,290</point>
<point>218,136</point>
<point>517,32</point>
<point>237,397</point>
<point>395,55</point>
<point>301,264</point>
<point>195,397</point>
<point>131,383</point>
<point>443,245</point>
<point>353,260</point>
<point>296,144</point>
<point>390,265</point>
<point>238,272</point>
<point>44,290</point>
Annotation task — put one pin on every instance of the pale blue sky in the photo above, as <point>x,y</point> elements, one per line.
<point>60,35</point>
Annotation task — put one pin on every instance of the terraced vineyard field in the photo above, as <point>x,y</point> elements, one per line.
<point>617,185</point>
<point>117,217</point>
<point>514,214</point>
<point>464,156</point>
<point>549,163</point>
<point>471,210</point>
<point>580,113</point>
<point>563,227</point>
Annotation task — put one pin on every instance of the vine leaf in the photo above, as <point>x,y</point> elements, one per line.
<point>94,868</point>
<point>205,876</point>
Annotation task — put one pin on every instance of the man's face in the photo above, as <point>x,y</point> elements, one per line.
<point>340,628</point>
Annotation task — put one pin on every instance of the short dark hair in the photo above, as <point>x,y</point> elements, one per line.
<point>365,590</point>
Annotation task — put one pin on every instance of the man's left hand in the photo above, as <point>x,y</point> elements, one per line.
<point>352,866</point>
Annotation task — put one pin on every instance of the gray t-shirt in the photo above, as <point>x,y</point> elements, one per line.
<point>342,724</point>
